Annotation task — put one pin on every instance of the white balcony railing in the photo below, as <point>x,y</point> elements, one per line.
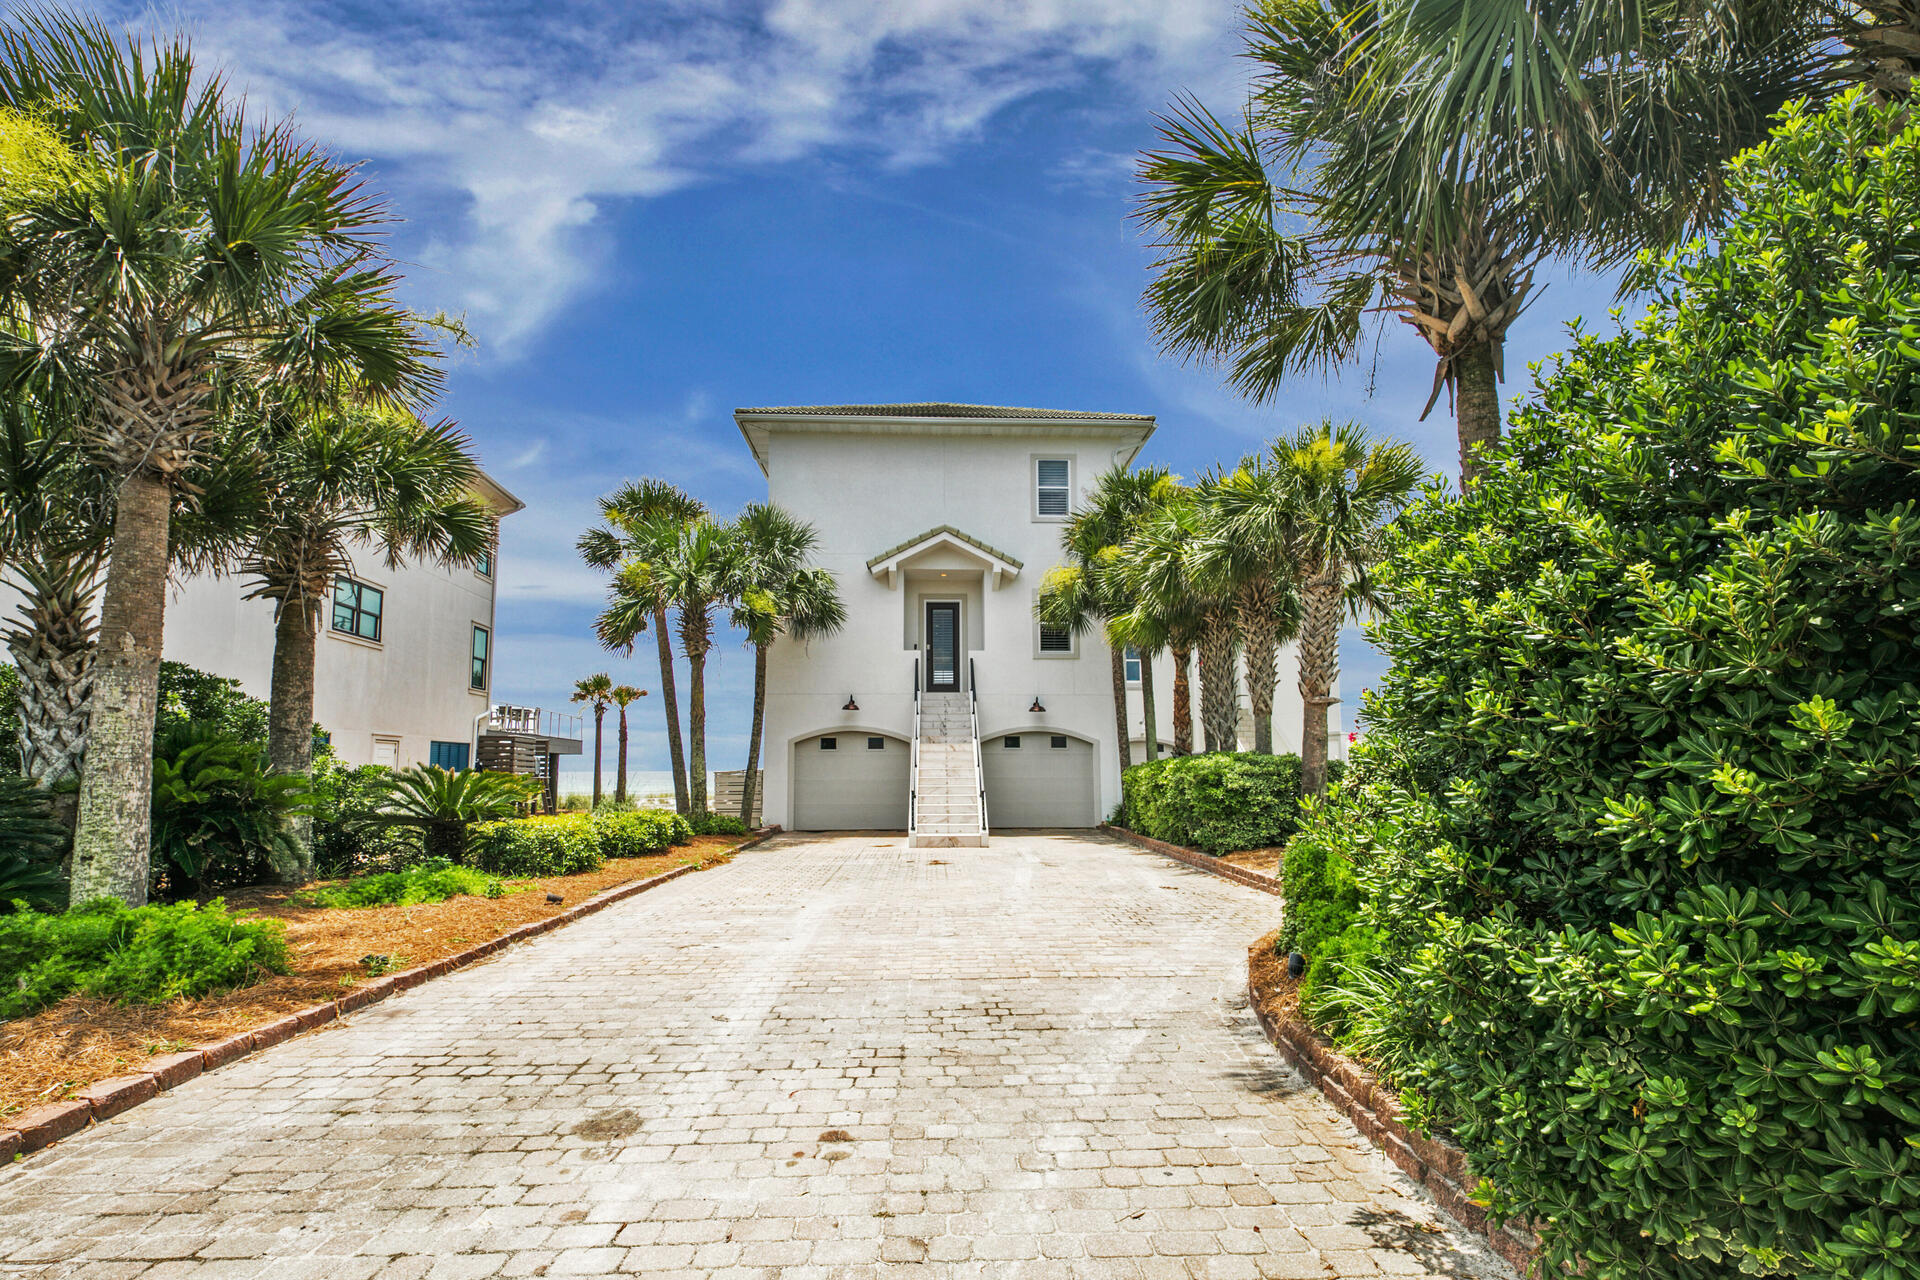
<point>532,722</point>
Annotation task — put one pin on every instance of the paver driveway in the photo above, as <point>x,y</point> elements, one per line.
<point>835,1057</point>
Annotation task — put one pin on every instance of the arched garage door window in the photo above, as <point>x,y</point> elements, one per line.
<point>1040,779</point>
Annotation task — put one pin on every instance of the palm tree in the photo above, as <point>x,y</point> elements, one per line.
<point>1160,564</point>
<point>638,516</point>
<point>696,569</point>
<point>1274,277</point>
<point>776,594</point>
<point>1261,580</point>
<point>597,692</point>
<point>192,249</point>
<point>333,479</point>
<point>1085,592</point>
<point>53,511</point>
<point>1317,502</point>
<point>621,695</point>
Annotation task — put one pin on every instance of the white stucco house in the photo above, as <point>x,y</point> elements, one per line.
<point>404,669</point>
<point>939,522</point>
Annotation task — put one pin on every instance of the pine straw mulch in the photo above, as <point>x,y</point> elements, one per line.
<point>80,1040</point>
<point>1273,993</point>
<point>1266,861</point>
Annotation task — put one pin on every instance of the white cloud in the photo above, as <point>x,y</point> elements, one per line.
<point>519,128</point>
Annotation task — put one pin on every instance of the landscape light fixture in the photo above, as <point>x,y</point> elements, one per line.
<point>1296,964</point>
<point>554,897</point>
<point>1036,708</point>
<point>851,705</point>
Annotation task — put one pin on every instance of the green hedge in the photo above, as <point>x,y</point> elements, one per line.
<point>718,824</point>
<point>147,954</point>
<point>1649,892</point>
<point>641,832</point>
<point>1220,803</point>
<point>557,845</point>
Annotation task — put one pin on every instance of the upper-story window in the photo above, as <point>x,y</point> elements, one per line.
<point>1056,641</point>
<point>357,608</point>
<point>1052,488</point>
<point>480,656</point>
<point>1132,661</point>
<point>484,565</point>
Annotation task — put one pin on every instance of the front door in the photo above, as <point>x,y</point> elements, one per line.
<point>943,646</point>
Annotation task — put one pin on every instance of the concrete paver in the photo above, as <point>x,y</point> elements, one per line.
<point>836,1057</point>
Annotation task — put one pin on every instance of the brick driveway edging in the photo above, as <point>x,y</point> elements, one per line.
<point>43,1126</point>
<point>1201,861</point>
<point>1438,1165</point>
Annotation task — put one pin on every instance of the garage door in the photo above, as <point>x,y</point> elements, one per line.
<point>850,782</point>
<point>1040,780</point>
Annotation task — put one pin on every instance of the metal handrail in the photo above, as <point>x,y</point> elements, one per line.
<point>979,769</point>
<point>913,776</point>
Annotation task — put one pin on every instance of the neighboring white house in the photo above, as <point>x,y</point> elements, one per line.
<point>403,673</point>
<point>939,522</point>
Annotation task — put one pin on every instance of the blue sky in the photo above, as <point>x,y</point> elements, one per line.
<point>652,214</point>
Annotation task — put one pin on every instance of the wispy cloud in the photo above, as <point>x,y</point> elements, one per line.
<point>520,126</point>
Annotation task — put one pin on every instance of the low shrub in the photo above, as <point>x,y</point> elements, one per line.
<point>433,881</point>
<point>718,824</point>
<point>1219,803</point>
<point>640,832</point>
<point>344,844</point>
<point>445,805</point>
<point>145,955</point>
<point>220,819</point>
<point>556,845</point>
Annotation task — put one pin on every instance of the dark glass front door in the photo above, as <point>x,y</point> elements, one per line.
<point>943,648</point>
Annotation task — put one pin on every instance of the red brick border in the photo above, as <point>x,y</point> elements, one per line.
<point>43,1126</point>
<point>1438,1165</point>
<point>1194,858</point>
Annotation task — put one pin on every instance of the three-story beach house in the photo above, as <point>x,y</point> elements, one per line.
<point>942,707</point>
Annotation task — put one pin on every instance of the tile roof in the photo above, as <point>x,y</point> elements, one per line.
<point>935,532</point>
<point>937,409</point>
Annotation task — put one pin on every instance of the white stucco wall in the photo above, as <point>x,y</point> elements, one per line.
<point>412,688</point>
<point>866,490</point>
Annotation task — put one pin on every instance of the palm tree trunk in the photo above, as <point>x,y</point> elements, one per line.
<point>1258,626</point>
<point>670,696</point>
<point>290,717</point>
<point>54,652</point>
<point>1182,701</point>
<point>1476,408</point>
<point>1147,707</point>
<point>620,777</point>
<point>1319,665</point>
<point>599,733</point>
<point>1219,701</point>
<point>753,738</point>
<point>111,844</point>
<point>1120,705</point>
<point>695,644</point>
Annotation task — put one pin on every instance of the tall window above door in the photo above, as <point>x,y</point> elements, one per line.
<point>1052,488</point>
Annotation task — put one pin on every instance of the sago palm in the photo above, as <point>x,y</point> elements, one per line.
<point>597,692</point>
<point>639,515</point>
<point>191,248</point>
<point>622,696</point>
<point>1318,501</point>
<point>333,480</point>
<point>777,593</point>
<point>443,803</point>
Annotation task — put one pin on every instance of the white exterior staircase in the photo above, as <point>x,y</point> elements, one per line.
<point>947,808</point>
